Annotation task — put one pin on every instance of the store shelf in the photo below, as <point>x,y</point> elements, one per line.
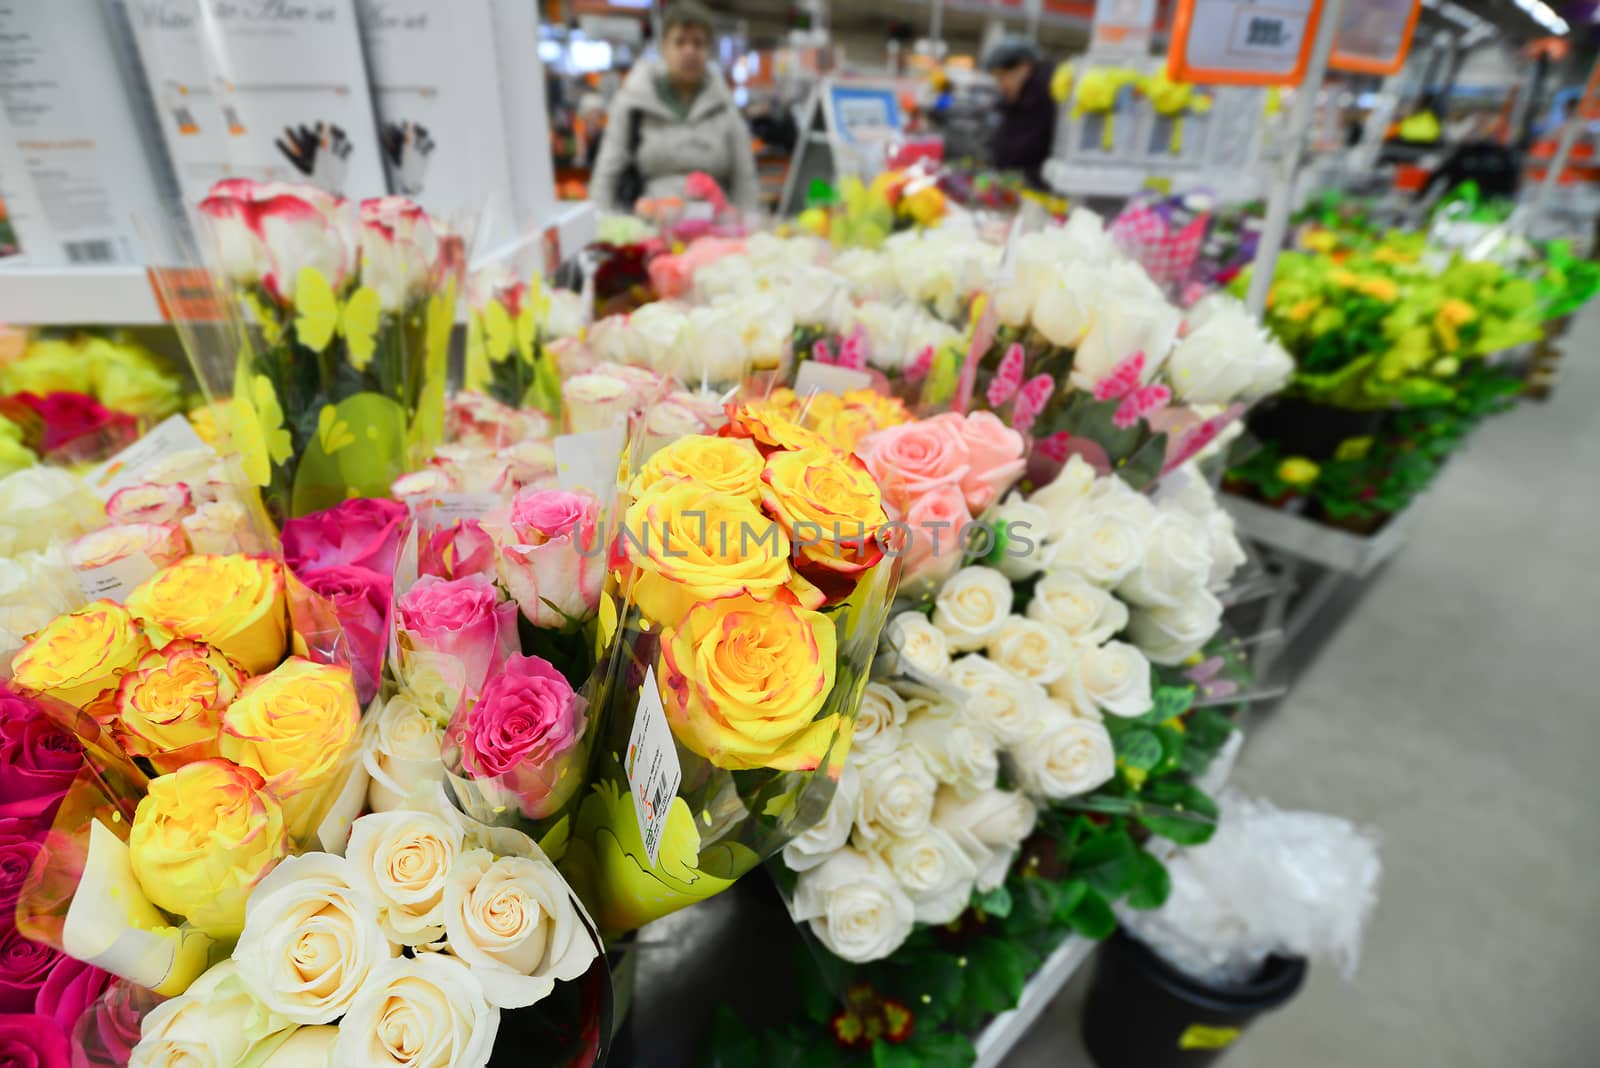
<point>1334,549</point>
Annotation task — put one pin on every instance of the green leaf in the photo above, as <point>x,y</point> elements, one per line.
<point>1181,812</point>
<point>1170,701</point>
<point>1107,862</point>
<point>931,984</point>
<point>1034,904</point>
<point>1152,884</point>
<point>1171,740</point>
<point>997,970</point>
<point>731,1044</point>
<point>1138,748</point>
<point>926,1049</point>
<point>1093,917</point>
<point>996,902</point>
<point>1072,893</point>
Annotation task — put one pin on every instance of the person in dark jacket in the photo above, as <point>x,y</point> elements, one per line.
<point>1027,127</point>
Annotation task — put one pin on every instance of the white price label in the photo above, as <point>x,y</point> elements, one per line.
<point>652,766</point>
<point>588,461</point>
<point>817,377</point>
<point>128,467</point>
<point>435,512</point>
<point>116,580</point>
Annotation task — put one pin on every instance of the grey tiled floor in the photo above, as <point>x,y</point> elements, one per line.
<point>1456,710</point>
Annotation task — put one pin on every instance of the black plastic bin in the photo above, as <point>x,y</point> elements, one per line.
<point>1303,428</point>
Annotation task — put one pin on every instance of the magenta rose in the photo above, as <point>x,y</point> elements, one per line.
<point>461,618</point>
<point>24,966</point>
<point>38,760</point>
<point>364,532</point>
<point>79,422</point>
<point>557,566</point>
<point>70,990</point>
<point>456,550</point>
<point>363,600</point>
<point>19,844</point>
<point>33,1042</point>
<point>105,1035</point>
<point>525,733</point>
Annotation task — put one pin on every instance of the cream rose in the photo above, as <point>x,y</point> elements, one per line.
<point>1025,527</point>
<point>896,797</point>
<point>1064,307</point>
<point>1085,611</point>
<point>513,922</point>
<point>1032,650</point>
<point>1071,758</point>
<point>957,749</point>
<point>1065,494</point>
<point>401,754</point>
<point>216,1023</point>
<point>989,827</point>
<point>1177,561</point>
<point>1007,705</point>
<point>308,1047</point>
<point>34,588</point>
<point>822,839</point>
<point>934,871</point>
<point>878,722</point>
<point>1114,677</point>
<point>971,606</point>
<point>403,860</point>
<point>916,643</point>
<point>311,938</point>
<point>855,906</point>
<point>1102,547</point>
<point>656,329</point>
<point>419,1012</point>
<point>1171,635</point>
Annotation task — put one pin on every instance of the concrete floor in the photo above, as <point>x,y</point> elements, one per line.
<point>1456,711</point>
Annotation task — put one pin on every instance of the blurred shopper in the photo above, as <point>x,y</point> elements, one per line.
<point>673,116</point>
<point>1027,127</point>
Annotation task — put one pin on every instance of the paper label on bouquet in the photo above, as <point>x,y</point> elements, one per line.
<point>652,766</point>
<point>116,580</point>
<point>447,508</point>
<point>128,467</point>
<point>588,460</point>
<point>815,377</point>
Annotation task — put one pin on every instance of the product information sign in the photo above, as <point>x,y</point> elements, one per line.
<point>1242,42</point>
<point>1374,35</point>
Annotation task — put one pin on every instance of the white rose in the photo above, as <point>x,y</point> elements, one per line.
<point>1007,705</point>
<point>1025,525</point>
<point>403,859</point>
<point>885,327</point>
<point>401,754</point>
<point>1225,356</point>
<point>657,330</point>
<point>915,642</point>
<point>213,1024</point>
<point>1088,613</point>
<point>868,271</point>
<point>855,906</point>
<point>1112,496</point>
<point>427,1011</point>
<point>513,922</point>
<point>818,297</point>
<point>610,340</point>
<point>39,505</point>
<point>1071,758</point>
<point>971,606</point>
<point>934,871</point>
<point>1066,492</point>
<point>728,276</point>
<point>955,748</point>
<point>1034,261</point>
<point>35,587</point>
<point>1101,546</point>
<point>593,400</point>
<point>311,938</point>
<point>896,797</point>
<point>308,1047</point>
<point>878,722</point>
<point>1115,678</point>
<point>1177,560</point>
<point>710,350</point>
<point>1227,555</point>
<point>819,841</point>
<point>1032,650</point>
<point>1119,330</point>
<point>1065,303</point>
<point>922,332</point>
<point>766,329</point>
<point>1171,635</point>
<point>989,827</point>
<point>566,315</point>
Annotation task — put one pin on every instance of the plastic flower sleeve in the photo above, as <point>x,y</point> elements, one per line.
<point>513,315</point>
<point>728,683</point>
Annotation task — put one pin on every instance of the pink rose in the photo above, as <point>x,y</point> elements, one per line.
<point>524,732</point>
<point>670,276</point>
<point>456,550</point>
<point>19,843</point>
<point>33,1042</point>
<point>997,459</point>
<point>79,424</point>
<point>105,1035</point>
<point>69,992</point>
<point>934,549</point>
<point>364,532</point>
<point>912,459</point>
<point>461,618</point>
<point>38,760</point>
<point>149,503</point>
<point>362,599</point>
<point>556,566</point>
<point>474,419</point>
<point>24,966</point>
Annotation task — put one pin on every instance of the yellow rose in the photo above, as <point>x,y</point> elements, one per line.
<point>131,378</point>
<point>691,544</point>
<point>296,726</point>
<point>233,603</point>
<point>202,838</point>
<point>886,411</point>
<point>772,427</point>
<point>829,506</point>
<point>79,657</point>
<point>51,365</point>
<point>743,680</point>
<point>726,465</point>
<point>170,705</point>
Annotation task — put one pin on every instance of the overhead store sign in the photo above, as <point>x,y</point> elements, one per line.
<point>1242,42</point>
<point>1375,35</point>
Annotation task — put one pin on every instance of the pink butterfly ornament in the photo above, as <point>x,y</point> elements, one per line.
<point>1008,379</point>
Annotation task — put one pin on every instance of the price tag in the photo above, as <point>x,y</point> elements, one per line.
<point>588,461</point>
<point>652,766</point>
<point>128,467</point>
<point>1374,35</point>
<point>435,512</point>
<point>116,580</point>
<point>817,377</point>
<point>1242,42</point>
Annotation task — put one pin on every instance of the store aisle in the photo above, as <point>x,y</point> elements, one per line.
<point>1456,711</point>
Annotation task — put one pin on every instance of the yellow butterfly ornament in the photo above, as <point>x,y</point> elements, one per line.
<point>320,314</point>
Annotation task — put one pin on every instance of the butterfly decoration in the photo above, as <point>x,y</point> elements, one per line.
<point>1008,379</point>
<point>320,314</point>
<point>852,354</point>
<point>1055,446</point>
<point>1031,399</point>
<point>1204,675</point>
<point>919,368</point>
<point>1137,401</point>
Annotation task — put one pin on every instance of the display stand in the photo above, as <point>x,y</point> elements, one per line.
<point>847,126</point>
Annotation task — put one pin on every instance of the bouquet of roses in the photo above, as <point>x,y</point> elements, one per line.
<point>510,324</point>
<point>341,389</point>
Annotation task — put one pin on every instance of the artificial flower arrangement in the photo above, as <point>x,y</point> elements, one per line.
<point>340,388</point>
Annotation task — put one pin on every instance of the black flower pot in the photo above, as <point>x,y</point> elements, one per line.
<point>1143,1013</point>
<point>1303,428</point>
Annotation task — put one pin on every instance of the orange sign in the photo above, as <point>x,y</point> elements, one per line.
<point>1242,42</point>
<point>1589,102</point>
<point>1374,35</point>
<point>187,294</point>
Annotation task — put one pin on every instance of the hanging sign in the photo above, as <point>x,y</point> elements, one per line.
<point>1242,42</point>
<point>1122,24</point>
<point>1374,35</point>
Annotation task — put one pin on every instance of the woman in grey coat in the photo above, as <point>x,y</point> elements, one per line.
<point>685,121</point>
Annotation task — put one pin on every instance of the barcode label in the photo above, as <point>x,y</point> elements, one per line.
<point>97,251</point>
<point>651,766</point>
